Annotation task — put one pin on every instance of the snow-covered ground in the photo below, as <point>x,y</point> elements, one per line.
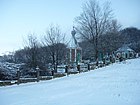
<point>117,84</point>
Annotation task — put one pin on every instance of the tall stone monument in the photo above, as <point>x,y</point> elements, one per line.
<point>75,52</point>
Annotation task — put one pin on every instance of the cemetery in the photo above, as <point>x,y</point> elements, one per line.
<point>73,65</point>
<point>70,52</point>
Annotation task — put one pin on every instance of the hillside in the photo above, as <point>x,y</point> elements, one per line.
<point>117,84</point>
<point>131,36</point>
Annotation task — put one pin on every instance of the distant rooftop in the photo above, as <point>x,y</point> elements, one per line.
<point>124,48</point>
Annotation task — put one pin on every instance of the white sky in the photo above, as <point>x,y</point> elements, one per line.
<point>18,18</point>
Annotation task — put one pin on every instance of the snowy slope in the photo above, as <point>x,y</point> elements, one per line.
<point>117,84</point>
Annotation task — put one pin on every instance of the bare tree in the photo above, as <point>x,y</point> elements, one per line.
<point>20,56</point>
<point>111,40</point>
<point>93,22</point>
<point>54,42</point>
<point>31,48</point>
<point>114,26</point>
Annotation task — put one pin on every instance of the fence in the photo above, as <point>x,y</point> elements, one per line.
<point>67,70</point>
<point>50,74</point>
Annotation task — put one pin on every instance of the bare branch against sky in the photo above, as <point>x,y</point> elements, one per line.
<point>18,18</point>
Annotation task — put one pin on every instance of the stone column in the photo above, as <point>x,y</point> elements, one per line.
<point>18,77</point>
<point>78,68</point>
<point>37,70</point>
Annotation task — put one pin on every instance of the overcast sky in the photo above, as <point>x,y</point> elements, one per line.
<point>18,18</point>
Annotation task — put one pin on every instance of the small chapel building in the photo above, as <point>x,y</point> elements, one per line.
<point>125,52</point>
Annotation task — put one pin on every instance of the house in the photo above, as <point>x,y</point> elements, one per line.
<point>125,52</point>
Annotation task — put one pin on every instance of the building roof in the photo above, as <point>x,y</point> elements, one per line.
<point>125,48</point>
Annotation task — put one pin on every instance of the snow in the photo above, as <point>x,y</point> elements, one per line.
<point>116,84</point>
<point>9,69</point>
